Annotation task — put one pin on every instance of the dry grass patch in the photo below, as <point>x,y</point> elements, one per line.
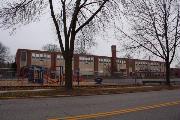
<point>78,91</point>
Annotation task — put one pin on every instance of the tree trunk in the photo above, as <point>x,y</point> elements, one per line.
<point>167,72</point>
<point>68,73</point>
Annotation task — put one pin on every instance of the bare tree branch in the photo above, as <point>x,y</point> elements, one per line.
<point>85,23</point>
<point>57,27</point>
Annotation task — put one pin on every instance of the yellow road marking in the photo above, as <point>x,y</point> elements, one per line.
<point>118,112</point>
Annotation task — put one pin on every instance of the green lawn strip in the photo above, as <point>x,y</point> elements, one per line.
<point>78,91</point>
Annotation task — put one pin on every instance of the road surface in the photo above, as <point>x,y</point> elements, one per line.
<point>155,105</point>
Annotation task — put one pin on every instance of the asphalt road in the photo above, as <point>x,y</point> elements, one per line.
<point>158,105</point>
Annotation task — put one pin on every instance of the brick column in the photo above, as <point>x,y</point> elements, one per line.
<point>130,64</point>
<point>128,67</point>
<point>53,61</point>
<point>76,62</point>
<point>18,61</point>
<point>113,60</point>
<point>29,57</point>
<point>96,62</point>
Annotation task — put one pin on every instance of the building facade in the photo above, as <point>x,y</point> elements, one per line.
<point>92,65</point>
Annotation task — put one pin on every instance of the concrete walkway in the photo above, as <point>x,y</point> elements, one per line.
<point>34,90</point>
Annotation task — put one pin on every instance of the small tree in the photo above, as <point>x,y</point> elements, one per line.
<point>51,48</point>
<point>71,18</point>
<point>155,28</point>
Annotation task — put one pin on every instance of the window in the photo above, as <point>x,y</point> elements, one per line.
<point>92,59</point>
<point>58,57</point>
<point>33,56</point>
<point>109,60</point>
<point>81,58</point>
<point>100,60</point>
<point>41,56</point>
<point>44,55</point>
<point>123,61</point>
<point>48,56</point>
<point>37,56</point>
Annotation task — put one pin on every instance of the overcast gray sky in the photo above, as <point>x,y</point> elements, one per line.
<point>35,35</point>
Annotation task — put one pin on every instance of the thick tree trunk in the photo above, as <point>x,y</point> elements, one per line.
<point>68,73</point>
<point>167,72</point>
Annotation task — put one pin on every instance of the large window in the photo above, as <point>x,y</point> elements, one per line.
<point>86,59</point>
<point>104,60</point>
<point>60,57</point>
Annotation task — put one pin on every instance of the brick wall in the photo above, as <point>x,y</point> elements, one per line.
<point>98,64</point>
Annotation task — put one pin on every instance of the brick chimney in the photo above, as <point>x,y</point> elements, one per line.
<point>113,60</point>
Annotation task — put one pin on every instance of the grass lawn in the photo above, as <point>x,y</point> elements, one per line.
<point>86,90</point>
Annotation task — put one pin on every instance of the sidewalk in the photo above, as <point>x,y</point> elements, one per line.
<point>34,90</point>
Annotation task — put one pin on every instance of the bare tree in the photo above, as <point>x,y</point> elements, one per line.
<point>155,28</point>
<point>10,58</point>
<point>177,65</point>
<point>72,18</point>
<point>127,55</point>
<point>51,48</point>
<point>4,51</point>
<point>83,43</point>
